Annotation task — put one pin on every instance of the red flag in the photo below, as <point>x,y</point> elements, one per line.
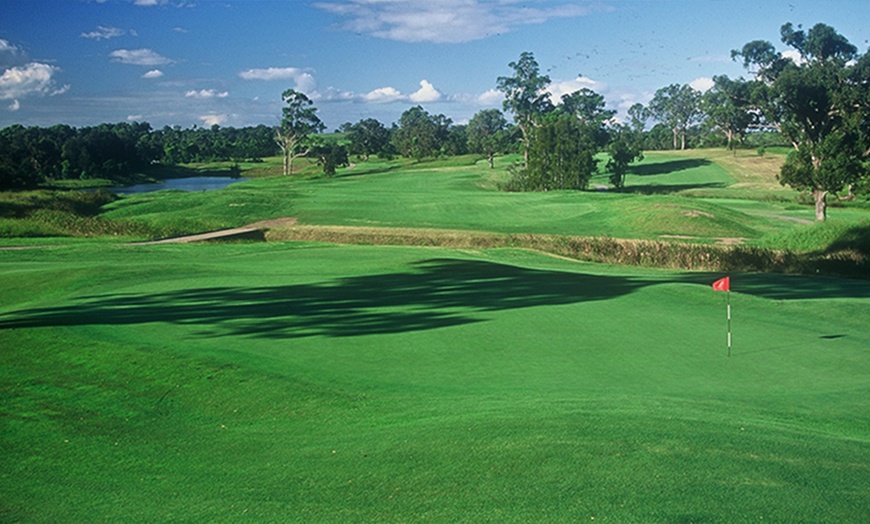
<point>723,284</point>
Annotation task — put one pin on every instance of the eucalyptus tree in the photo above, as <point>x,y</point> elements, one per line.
<point>728,107</point>
<point>420,134</point>
<point>561,155</point>
<point>590,108</point>
<point>487,133</point>
<point>368,137</point>
<point>525,96</point>
<point>678,107</point>
<point>623,149</point>
<point>820,103</point>
<point>299,121</point>
<point>638,115</point>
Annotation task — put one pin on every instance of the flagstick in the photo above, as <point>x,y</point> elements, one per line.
<point>729,323</point>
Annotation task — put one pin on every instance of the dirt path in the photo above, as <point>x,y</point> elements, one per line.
<point>255,231</point>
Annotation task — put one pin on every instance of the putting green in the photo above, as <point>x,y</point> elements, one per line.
<point>306,382</point>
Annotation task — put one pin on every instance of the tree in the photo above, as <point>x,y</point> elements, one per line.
<point>638,115</point>
<point>623,150</point>
<point>299,121</point>
<point>820,104</point>
<point>589,107</point>
<point>330,155</point>
<point>487,133</point>
<point>420,134</point>
<point>561,156</point>
<point>525,96</point>
<point>367,137</point>
<point>727,106</point>
<point>676,106</point>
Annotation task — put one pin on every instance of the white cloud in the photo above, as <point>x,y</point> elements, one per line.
<point>794,56</point>
<point>6,47</point>
<point>426,93</point>
<point>31,79</point>
<point>303,79</point>
<point>332,95</point>
<point>143,57</point>
<point>271,73</point>
<point>154,73</point>
<point>702,84</point>
<point>444,21</point>
<point>104,33</point>
<point>15,105</point>
<point>134,118</point>
<point>148,3</point>
<point>559,89</point>
<point>490,97</point>
<point>211,120</point>
<point>206,93</point>
<point>383,95</point>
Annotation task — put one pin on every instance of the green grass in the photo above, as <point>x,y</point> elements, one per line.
<point>311,383</point>
<point>459,193</point>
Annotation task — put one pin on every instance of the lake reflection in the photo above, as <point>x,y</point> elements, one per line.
<point>194,183</point>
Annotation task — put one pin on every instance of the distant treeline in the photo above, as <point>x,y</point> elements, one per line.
<point>30,156</point>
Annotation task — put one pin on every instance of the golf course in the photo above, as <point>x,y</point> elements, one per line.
<point>410,344</point>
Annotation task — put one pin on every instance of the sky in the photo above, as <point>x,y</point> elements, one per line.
<point>226,62</point>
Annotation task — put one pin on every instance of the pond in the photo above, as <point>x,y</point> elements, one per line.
<point>193,183</point>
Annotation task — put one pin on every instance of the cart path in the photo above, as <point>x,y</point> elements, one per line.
<point>253,231</point>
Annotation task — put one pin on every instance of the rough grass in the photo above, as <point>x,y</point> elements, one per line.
<point>303,383</point>
<point>846,253</point>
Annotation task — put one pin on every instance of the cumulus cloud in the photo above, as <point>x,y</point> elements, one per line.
<point>794,56</point>
<point>702,84</point>
<point>15,105</point>
<point>212,120</point>
<point>143,57</point>
<point>154,73</point>
<point>445,21</point>
<point>303,79</point>
<point>206,93</point>
<point>383,95</point>
<point>426,93</point>
<point>490,97</point>
<point>559,89</point>
<point>31,79</point>
<point>104,33</point>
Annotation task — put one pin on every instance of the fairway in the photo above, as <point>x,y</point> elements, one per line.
<point>312,382</point>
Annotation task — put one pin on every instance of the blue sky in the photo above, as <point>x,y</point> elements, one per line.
<point>201,62</point>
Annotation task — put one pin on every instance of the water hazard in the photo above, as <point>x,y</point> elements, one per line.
<point>193,183</point>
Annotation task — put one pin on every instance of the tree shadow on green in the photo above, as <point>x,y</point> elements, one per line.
<point>437,293</point>
<point>775,286</point>
<point>664,189</point>
<point>664,168</point>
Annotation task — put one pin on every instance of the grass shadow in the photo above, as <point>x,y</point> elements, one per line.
<point>437,293</point>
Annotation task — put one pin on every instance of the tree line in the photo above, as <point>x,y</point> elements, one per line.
<point>30,156</point>
<point>819,105</point>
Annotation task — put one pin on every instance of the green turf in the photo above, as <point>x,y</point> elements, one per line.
<point>312,383</point>
<point>460,194</point>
